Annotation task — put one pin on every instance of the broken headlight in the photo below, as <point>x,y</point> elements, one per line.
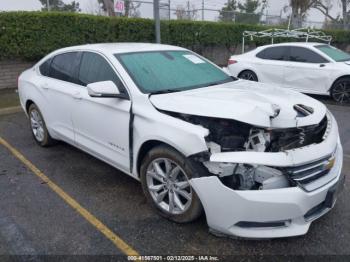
<point>248,177</point>
<point>231,135</point>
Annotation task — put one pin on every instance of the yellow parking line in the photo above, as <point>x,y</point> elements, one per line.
<point>117,241</point>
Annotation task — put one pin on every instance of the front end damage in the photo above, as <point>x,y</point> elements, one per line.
<point>267,182</point>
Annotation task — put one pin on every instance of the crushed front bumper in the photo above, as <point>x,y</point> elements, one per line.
<point>271,213</point>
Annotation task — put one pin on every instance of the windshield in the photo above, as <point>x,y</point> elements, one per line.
<point>170,71</point>
<point>334,53</point>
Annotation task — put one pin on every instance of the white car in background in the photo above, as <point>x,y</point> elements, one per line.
<point>260,161</point>
<point>312,68</point>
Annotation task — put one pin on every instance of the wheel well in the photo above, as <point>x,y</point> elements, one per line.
<point>28,104</point>
<point>345,76</point>
<point>145,148</point>
<point>244,70</point>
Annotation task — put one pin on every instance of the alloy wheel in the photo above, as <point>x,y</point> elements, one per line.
<point>168,185</point>
<point>37,125</point>
<point>248,75</point>
<point>341,92</point>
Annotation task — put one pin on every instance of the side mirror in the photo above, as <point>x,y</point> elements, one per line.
<point>104,89</point>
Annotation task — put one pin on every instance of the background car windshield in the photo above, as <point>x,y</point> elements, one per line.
<point>334,53</point>
<point>171,70</point>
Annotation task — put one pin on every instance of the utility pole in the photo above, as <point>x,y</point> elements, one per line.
<point>156,20</point>
<point>202,10</point>
<point>188,10</point>
<point>169,10</point>
<point>48,5</point>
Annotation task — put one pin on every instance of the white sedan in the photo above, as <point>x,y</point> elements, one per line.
<point>312,68</point>
<point>260,161</point>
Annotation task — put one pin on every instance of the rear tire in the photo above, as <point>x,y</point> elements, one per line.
<point>39,131</point>
<point>248,75</point>
<point>340,91</point>
<point>165,176</point>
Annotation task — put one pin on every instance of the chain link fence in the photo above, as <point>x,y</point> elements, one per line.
<point>187,11</point>
<point>199,10</point>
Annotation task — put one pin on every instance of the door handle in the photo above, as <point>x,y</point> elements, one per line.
<point>77,96</point>
<point>45,86</point>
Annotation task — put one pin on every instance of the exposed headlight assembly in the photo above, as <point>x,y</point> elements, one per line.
<point>248,177</point>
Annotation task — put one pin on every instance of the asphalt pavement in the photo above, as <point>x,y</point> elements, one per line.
<point>35,220</point>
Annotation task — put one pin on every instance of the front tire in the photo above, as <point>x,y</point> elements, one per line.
<point>248,75</point>
<point>38,127</point>
<point>340,91</point>
<point>165,176</point>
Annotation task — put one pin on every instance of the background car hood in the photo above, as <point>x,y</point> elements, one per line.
<point>244,101</point>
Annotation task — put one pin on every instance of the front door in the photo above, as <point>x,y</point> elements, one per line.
<point>102,124</point>
<point>306,71</point>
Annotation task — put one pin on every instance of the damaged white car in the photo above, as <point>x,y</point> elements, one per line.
<point>260,161</point>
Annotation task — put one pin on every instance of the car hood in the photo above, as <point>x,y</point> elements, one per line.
<point>254,103</point>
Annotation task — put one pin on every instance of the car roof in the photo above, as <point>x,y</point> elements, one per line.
<point>118,48</point>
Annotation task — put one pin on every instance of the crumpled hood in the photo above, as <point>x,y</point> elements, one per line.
<point>249,102</point>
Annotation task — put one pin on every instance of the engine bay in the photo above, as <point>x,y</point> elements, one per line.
<point>230,136</point>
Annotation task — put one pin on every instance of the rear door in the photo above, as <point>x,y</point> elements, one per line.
<point>60,90</point>
<point>307,71</point>
<point>102,124</point>
<point>270,64</point>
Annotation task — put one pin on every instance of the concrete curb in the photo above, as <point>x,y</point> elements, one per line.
<point>10,110</point>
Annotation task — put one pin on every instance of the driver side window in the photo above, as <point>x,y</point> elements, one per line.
<point>304,55</point>
<point>94,68</point>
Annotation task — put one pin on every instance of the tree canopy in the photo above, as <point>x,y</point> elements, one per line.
<point>227,12</point>
<point>59,5</point>
<point>249,6</point>
<point>249,11</point>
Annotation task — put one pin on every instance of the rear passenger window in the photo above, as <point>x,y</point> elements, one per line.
<point>94,68</point>
<point>274,53</point>
<point>63,67</point>
<point>301,54</point>
<point>45,67</point>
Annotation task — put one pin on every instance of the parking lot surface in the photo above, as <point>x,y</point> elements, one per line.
<point>36,220</point>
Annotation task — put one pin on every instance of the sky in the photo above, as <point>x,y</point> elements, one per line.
<point>90,6</point>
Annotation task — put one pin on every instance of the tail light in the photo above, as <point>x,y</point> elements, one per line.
<point>231,62</point>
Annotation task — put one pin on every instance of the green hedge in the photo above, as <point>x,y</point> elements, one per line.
<point>31,35</point>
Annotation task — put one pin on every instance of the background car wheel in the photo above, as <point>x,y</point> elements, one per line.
<point>165,176</point>
<point>248,75</point>
<point>340,90</point>
<point>38,127</point>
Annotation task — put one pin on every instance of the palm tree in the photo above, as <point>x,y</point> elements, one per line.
<point>299,11</point>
